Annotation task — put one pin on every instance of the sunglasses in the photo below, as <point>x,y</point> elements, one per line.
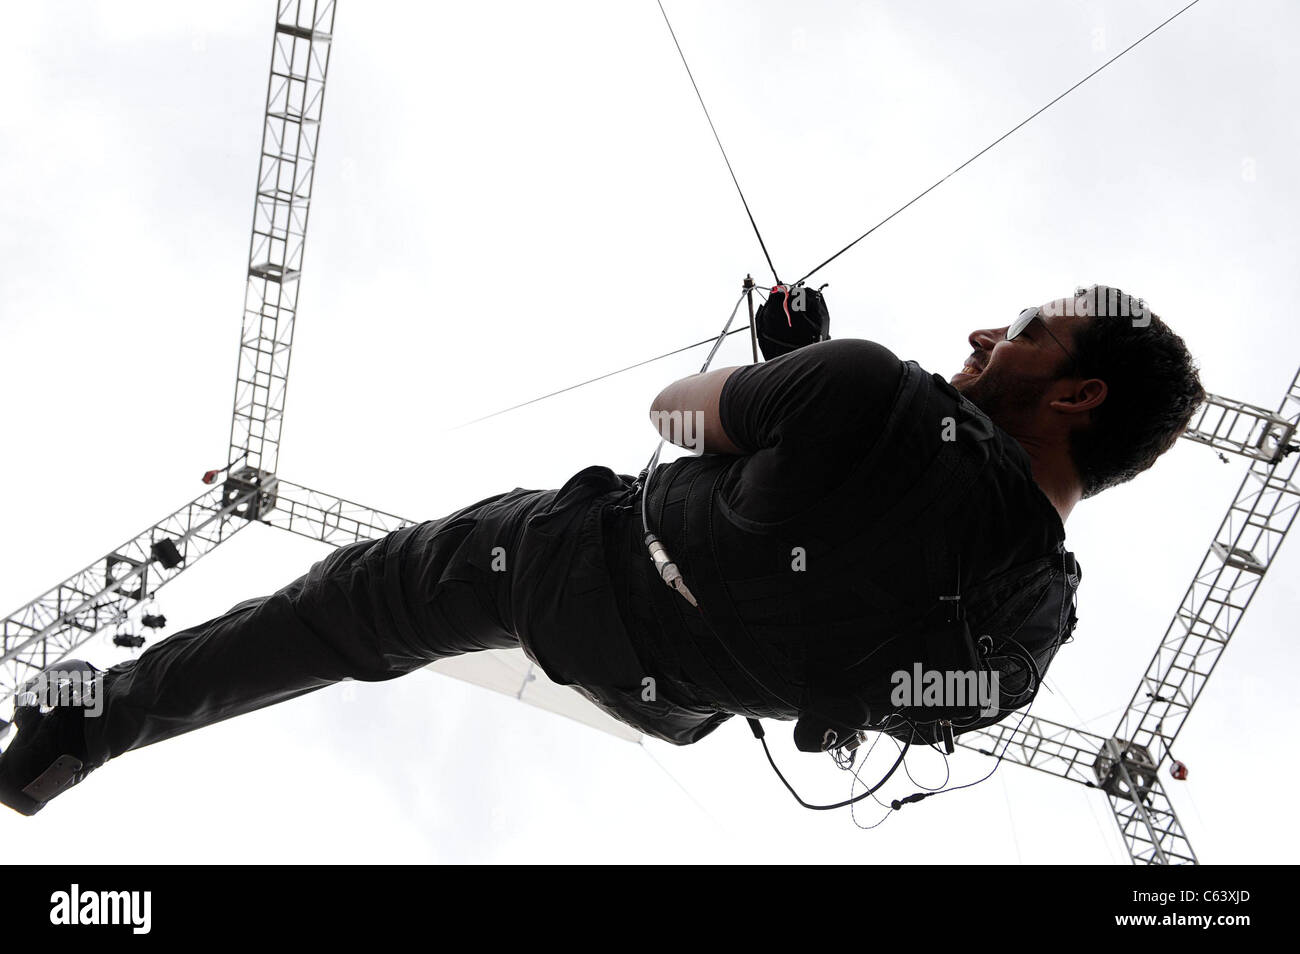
<point>1023,322</point>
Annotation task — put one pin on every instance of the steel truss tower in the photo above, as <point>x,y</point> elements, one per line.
<point>1124,766</point>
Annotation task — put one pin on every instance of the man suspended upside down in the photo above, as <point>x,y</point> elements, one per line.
<point>850,520</point>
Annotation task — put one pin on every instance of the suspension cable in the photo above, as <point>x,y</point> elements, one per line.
<point>572,387</point>
<point>845,248</point>
<point>718,139</point>
<point>995,142</point>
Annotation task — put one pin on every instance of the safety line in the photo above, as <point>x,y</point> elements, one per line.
<point>994,143</point>
<point>855,241</point>
<point>718,139</point>
<point>602,377</point>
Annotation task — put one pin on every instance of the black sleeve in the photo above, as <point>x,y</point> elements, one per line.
<point>806,420</point>
<point>809,396</point>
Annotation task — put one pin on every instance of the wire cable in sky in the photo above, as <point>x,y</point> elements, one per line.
<point>668,354</point>
<point>855,241</point>
<point>718,139</point>
<point>996,141</point>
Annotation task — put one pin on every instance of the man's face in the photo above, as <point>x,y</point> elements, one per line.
<point>1008,380</point>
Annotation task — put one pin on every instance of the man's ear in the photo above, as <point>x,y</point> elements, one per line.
<point>1082,397</point>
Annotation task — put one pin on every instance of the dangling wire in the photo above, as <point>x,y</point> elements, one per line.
<point>662,560</point>
<point>853,808</point>
<point>919,796</point>
<point>853,799</point>
<point>718,139</point>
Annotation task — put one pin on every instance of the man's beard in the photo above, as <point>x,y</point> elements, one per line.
<point>1007,401</point>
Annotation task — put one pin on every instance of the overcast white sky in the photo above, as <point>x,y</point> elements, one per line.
<point>512,197</point>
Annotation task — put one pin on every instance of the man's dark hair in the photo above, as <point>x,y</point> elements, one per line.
<point>1152,391</point>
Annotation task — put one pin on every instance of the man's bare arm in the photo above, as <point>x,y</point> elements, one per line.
<point>697,393</point>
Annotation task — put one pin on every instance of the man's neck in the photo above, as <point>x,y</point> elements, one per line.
<point>1054,473</point>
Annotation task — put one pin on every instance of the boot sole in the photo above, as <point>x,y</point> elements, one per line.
<point>23,804</point>
<point>60,775</point>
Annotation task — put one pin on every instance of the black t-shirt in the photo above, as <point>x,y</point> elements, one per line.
<point>806,420</point>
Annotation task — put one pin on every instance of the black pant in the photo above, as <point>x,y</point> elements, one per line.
<point>371,611</point>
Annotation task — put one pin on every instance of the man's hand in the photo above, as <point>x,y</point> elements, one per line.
<point>791,319</point>
<point>686,413</point>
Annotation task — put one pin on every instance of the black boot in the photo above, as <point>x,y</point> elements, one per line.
<point>49,754</point>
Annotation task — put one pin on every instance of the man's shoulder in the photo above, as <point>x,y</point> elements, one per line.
<point>841,378</point>
<point>1004,518</point>
<point>1009,464</point>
